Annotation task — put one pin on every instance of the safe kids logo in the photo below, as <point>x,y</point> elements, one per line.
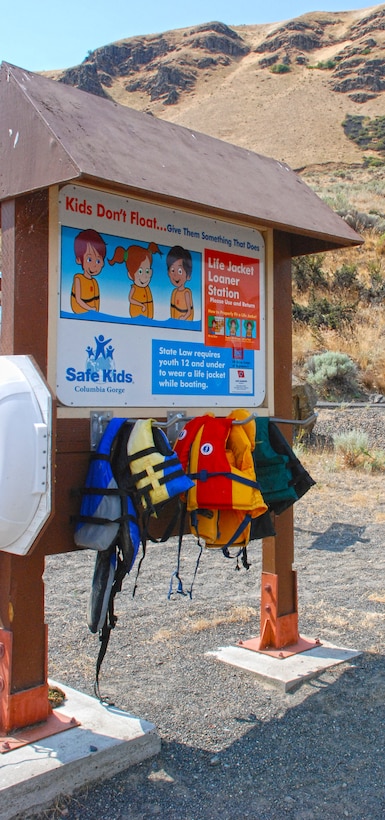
<point>99,366</point>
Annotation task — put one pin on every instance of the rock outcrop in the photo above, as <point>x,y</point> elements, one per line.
<point>162,66</point>
<point>304,400</point>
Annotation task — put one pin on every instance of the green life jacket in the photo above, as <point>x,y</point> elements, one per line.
<point>272,468</point>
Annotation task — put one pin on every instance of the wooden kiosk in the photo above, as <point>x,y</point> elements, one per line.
<point>71,162</point>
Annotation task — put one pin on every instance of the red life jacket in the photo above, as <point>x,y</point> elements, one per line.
<point>217,456</point>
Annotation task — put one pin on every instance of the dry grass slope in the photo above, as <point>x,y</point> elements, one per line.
<point>362,336</point>
<point>218,79</point>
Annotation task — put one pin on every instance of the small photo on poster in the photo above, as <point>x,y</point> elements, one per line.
<point>249,329</point>
<point>216,326</point>
<point>233,327</point>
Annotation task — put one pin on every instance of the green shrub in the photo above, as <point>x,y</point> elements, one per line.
<point>330,315</point>
<point>366,132</point>
<point>333,375</point>
<point>326,65</point>
<point>345,278</point>
<point>301,313</point>
<point>353,449</point>
<point>356,128</point>
<point>376,290</point>
<point>280,68</point>
<point>321,313</point>
<point>307,272</point>
<point>373,162</point>
<point>351,446</point>
<point>324,367</point>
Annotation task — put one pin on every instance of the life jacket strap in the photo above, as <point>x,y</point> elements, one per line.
<point>147,451</point>
<point>176,573</point>
<point>163,480</point>
<point>92,299</point>
<point>93,519</point>
<point>109,625</point>
<point>102,491</point>
<point>162,465</point>
<point>144,544</point>
<point>156,468</point>
<point>204,475</point>
<point>244,523</point>
<point>180,310</point>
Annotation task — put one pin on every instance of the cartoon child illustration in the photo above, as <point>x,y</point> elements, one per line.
<point>138,262</point>
<point>179,268</point>
<point>232,327</point>
<point>90,252</point>
<point>249,329</point>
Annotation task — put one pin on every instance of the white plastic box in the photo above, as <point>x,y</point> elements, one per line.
<point>25,453</point>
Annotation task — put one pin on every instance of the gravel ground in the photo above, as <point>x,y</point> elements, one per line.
<point>233,747</point>
<point>370,419</point>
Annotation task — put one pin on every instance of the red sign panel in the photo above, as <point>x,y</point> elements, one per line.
<point>232,295</point>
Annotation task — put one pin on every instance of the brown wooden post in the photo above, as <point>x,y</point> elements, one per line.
<point>279,634</point>
<point>279,615</point>
<point>23,636</point>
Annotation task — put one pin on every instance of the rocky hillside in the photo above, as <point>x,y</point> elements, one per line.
<point>299,90</point>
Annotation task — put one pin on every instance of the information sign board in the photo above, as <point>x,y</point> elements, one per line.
<point>157,307</point>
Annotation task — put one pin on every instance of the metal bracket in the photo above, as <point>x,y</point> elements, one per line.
<point>98,424</point>
<point>175,423</point>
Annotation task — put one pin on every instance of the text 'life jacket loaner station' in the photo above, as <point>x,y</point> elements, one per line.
<point>146,272</point>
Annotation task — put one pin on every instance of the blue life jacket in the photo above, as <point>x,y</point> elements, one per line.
<point>103,508</point>
<point>108,523</point>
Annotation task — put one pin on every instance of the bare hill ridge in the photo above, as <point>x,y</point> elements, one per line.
<point>282,89</point>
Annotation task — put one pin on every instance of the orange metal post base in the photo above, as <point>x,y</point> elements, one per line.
<point>32,734</point>
<point>25,716</point>
<point>18,709</point>
<point>279,633</point>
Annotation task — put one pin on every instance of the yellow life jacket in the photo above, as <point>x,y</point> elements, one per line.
<point>217,455</point>
<point>89,293</point>
<point>144,296</point>
<point>178,304</point>
<point>156,472</point>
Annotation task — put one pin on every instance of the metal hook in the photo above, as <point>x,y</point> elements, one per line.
<point>99,421</point>
<point>175,423</point>
<point>252,417</point>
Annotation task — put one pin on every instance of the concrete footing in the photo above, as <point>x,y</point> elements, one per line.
<point>107,741</point>
<point>288,672</point>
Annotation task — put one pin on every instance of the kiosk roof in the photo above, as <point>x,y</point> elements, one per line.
<point>51,133</point>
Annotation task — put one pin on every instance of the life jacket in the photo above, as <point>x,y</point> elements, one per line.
<point>178,304</point>
<point>282,477</point>
<point>104,506</point>
<point>89,293</point>
<point>108,523</point>
<point>273,468</point>
<point>217,455</point>
<point>144,296</point>
<point>156,472</point>
<point>131,476</point>
<point>301,479</point>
